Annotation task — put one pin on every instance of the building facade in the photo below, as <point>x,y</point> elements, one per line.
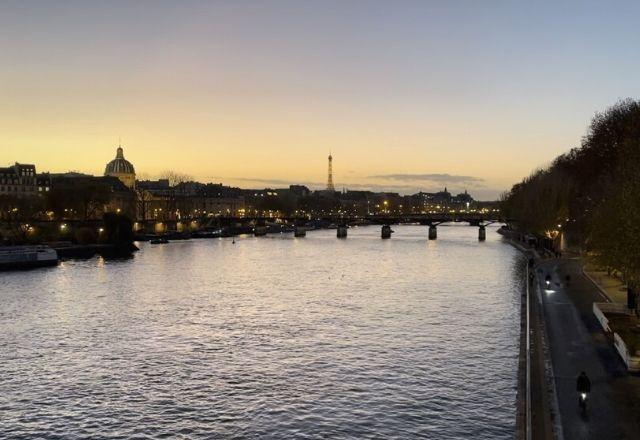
<point>21,180</point>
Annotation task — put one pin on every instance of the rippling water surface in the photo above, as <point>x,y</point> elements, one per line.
<point>270,337</point>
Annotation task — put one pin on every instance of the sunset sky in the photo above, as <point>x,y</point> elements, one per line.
<point>406,95</point>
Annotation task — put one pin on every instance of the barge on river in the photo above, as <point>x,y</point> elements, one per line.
<point>26,257</point>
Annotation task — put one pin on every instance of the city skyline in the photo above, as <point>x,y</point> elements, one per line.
<point>408,98</point>
<point>245,183</point>
<point>344,219</point>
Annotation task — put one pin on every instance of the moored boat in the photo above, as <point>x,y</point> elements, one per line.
<point>216,233</point>
<point>260,231</point>
<point>26,257</point>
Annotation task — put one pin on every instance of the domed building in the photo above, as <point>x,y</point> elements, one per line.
<point>122,169</point>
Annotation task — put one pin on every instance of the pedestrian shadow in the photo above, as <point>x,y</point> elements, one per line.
<point>584,415</point>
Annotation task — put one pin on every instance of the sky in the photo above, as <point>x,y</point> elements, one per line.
<point>406,95</point>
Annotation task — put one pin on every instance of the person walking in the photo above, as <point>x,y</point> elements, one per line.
<point>583,387</point>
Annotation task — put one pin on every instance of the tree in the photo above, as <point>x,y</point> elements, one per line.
<point>143,199</point>
<point>615,230</point>
<point>18,214</point>
<point>118,230</point>
<point>585,184</point>
<point>178,203</point>
<point>92,198</point>
<point>541,201</point>
<point>175,178</point>
<point>82,198</point>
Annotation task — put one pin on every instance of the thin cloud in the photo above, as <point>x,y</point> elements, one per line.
<point>268,182</point>
<point>430,177</point>
<point>393,185</point>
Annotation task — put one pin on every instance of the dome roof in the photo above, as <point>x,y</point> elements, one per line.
<point>119,165</point>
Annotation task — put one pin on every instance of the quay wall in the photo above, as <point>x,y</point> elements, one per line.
<point>543,400</point>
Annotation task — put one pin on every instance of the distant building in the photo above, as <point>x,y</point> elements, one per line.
<point>158,200</point>
<point>156,187</point>
<point>212,206</point>
<point>216,199</point>
<point>122,169</point>
<point>118,197</point>
<point>300,190</point>
<point>21,180</point>
<point>463,198</point>
<point>442,197</point>
<point>69,174</point>
<point>154,199</point>
<point>357,202</point>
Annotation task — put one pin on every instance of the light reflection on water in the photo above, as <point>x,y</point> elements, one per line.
<point>270,337</point>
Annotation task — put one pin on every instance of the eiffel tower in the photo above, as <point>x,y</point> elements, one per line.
<point>330,186</point>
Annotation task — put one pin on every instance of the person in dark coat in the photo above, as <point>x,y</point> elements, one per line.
<point>583,384</point>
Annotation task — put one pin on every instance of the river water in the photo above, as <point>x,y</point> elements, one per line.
<point>270,337</point>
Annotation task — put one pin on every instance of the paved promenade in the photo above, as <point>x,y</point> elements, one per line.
<point>613,288</point>
<point>578,343</point>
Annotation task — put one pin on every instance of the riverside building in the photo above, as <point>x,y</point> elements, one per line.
<point>21,180</point>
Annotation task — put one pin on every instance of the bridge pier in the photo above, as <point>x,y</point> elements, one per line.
<point>482,233</point>
<point>433,232</point>
<point>342,232</point>
<point>386,231</point>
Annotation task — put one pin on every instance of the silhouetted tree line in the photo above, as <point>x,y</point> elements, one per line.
<point>592,191</point>
<point>38,218</point>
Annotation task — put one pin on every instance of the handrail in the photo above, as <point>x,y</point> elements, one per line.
<point>529,434</point>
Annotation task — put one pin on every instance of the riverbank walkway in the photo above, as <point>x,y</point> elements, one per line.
<point>577,343</point>
<point>612,287</point>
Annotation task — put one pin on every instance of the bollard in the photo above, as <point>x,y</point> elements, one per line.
<point>386,231</point>
<point>260,231</point>
<point>300,231</point>
<point>342,232</point>
<point>433,232</point>
<point>482,233</point>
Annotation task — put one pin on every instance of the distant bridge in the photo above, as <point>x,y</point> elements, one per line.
<point>260,225</point>
<point>431,220</point>
<point>472,219</point>
<point>435,219</point>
